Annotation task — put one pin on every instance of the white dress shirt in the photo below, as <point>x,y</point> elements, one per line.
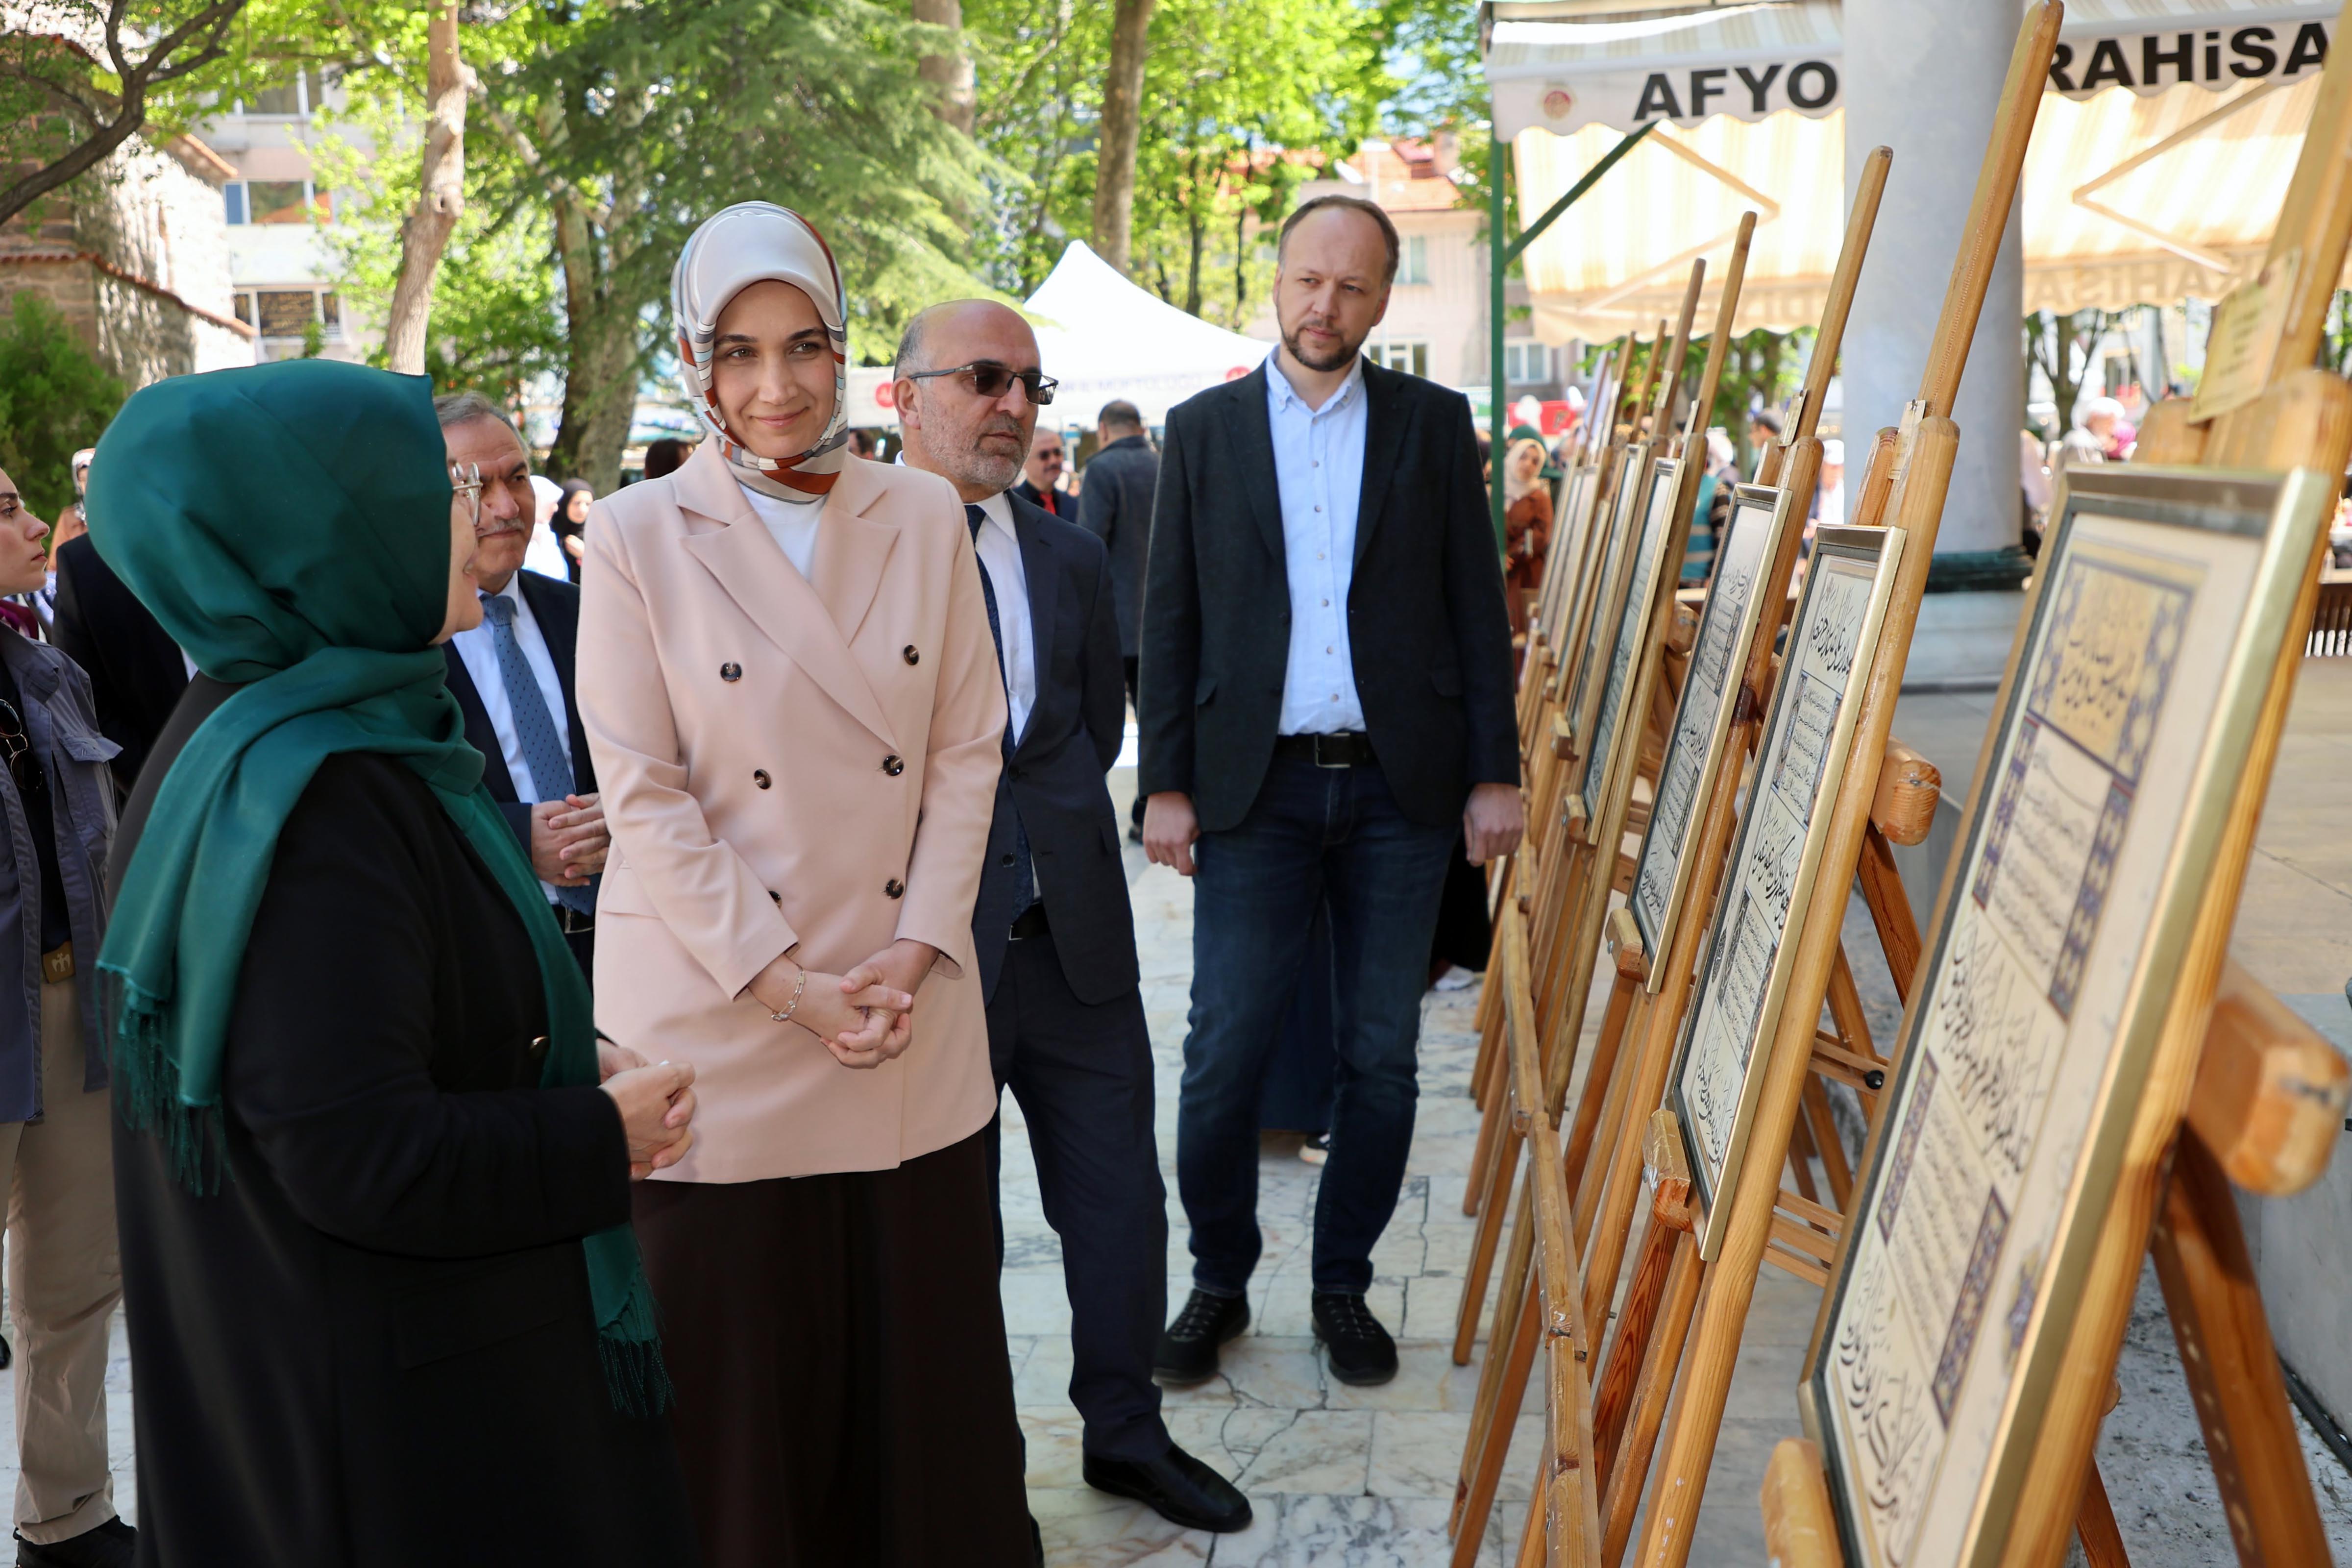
<point>478,648</point>
<point>793,524</point>
<point>1319,472</point>
<point>1000,552</point>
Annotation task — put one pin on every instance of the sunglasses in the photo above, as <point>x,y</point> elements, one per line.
<point>991,381</point>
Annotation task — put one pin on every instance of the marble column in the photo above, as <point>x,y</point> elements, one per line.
<point>1925,80</point>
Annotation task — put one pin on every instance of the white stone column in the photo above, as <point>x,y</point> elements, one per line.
<point>1925,80</point>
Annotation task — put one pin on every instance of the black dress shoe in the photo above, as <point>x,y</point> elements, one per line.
<point>1188,1351</point>
<point>113,1544</point>
<point>1361,1350</point>
<point>1178,1487</point>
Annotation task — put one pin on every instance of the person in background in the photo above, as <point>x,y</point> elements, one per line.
<point>1711,514</point>
<point>2092,438</point>
<point>862,443</point>
<point>662,457</point>
<point>569,524</point>
<point>1763,431</point>
<point>136,671</point>
<point>65,1274</point>
<point>513,677</point>
<point>1526,523</point>
<point>374,1171</point>
<point>70,525</point>
<point>1117,509</point>
<point>545,556</point>
<point>2035,491</point>
<point>797,716</point>
<point>1828,492</point>
<point>73,521</point>
<point>1043,472</point>
<point>1327,700</point>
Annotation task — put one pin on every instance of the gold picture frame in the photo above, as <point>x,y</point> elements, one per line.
<point>1744,967</point>
<point>1665,496</point>
<point>1568,522</point>
<point>2160,614</point>
<point>1710,696</point>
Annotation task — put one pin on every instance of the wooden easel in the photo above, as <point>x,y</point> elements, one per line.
<point>2259,1096</point>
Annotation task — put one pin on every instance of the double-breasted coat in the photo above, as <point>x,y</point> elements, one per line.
<point>790,764</point>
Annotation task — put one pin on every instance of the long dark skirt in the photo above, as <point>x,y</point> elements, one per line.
<point>844,1396</point>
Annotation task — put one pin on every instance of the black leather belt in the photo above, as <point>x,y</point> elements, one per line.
<point>1353,749</point>
<point>1032,923</point>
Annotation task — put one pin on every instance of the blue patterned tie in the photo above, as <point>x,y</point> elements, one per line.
<point>1024,870</point>
<point>542,752</point>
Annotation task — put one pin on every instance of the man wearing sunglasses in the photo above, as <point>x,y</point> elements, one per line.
<point>1043,472</point>
<point>1052,929</point>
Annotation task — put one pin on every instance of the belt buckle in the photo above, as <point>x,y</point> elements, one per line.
<point>1318,754</point>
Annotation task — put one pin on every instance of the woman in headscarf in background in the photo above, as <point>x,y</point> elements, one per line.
<point>1527,522</point>
<point>792,696</point>
<point>570,524</point>
<point>384,1304</point>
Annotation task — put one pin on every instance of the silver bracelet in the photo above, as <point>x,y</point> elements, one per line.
<point>793,1006</point>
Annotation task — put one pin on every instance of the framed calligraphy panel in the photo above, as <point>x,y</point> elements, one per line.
<point>1744,969</point>
<point>2158,620</point>
<point>1695,750</point>
<point>1571,523</point>
<point>1605,592</point>
<point>1663,497</point>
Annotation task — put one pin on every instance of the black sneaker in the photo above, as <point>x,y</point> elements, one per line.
<point>113,1544</point>
<point>1361,1350</point>
<point>1188,1351</point>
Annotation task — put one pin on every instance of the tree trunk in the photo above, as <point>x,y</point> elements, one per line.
<point>600,380</point>
<point>441,200</point>
<point>1199,237</point>
<point>1122,109</point>
<point>952,73</point>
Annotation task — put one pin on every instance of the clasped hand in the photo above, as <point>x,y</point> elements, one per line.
<point>657,1103</point>
<point>864,1017</point>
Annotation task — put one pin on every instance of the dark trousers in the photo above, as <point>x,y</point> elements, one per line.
<point>844,1396</point>
<point>1083,1075</point>
<point>1134,662</point>
<point>1331,836</point>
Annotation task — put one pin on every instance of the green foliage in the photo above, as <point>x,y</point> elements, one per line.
<point>54,399</point>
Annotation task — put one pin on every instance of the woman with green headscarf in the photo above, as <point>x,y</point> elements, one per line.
<point>384,1306</point>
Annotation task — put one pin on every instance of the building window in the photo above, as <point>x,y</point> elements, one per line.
<point>1526,363</point>
<point>290,313</point>
<point>1413,259</point>
<point>298,97</point>
<point>1410,358</point>
<point>278,201</point>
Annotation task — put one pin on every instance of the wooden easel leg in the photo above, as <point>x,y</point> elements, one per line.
<point>1517,1273</point>
<point>1602,1104</point>
<point>2232,1367</point>
<point>2103,1543</point>
<point>1629,1348</point>
<point>1475,1495</point>
<point>1823,1124</point>
<point>1800,1160</point>
<point>1495,1198</point>
<point>1630,1466</point>
<point>1531,1539</point>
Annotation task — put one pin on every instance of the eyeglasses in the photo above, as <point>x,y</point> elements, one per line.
<point>466,486</point>
<point>991,379</point>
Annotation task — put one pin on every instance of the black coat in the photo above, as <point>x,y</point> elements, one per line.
<point>371,1347</point>
<point>1059,504</point>
<point>1053,778</point>
<point>136,671</point>
<point>1430,639</point>
<point>1115,506</point>
<point>555,605</point>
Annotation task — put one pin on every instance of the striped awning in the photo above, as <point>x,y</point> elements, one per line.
<point>2137,189</point>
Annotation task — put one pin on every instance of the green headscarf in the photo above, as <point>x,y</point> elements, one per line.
<point>290,526</point>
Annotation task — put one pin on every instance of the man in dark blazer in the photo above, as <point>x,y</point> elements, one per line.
<point>1052,927</point>
<point>1115,506</point>
<point>1042,471</point>
<point>136,671</point>
<point>1326,695</point>
<point>512,677</point>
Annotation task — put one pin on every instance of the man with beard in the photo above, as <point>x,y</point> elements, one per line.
<point>512,677</point>
<point>1326,695</point>
<point>1052,929</point>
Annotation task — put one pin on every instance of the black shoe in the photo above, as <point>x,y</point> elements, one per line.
<point>1362,1352</point>
<point>1178,1487</point>
<point>1188,1351</point>
<point>113,1544</point>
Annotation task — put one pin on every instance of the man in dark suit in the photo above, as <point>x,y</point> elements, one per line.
<point>1326,698</point>
<point>136,671</point>
<point>1116,508</point>
<point>512,677</point>
<point>1042,471</point>
<point>1052,927</point>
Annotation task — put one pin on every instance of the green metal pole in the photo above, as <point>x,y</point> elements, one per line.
<point>1498,257</point>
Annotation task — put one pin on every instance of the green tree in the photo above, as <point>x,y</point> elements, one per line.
<point>54,399</point>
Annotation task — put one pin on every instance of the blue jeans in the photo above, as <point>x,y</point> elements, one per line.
<point>1313,833</point>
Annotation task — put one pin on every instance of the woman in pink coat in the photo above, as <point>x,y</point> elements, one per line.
<point>791,697</point>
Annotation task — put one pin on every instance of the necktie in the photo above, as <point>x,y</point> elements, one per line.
<point>1024,873</point>
<point>542,752</point>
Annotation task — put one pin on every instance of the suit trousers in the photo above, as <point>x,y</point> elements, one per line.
<point>65,1278</point>
<point>1082,1075</point>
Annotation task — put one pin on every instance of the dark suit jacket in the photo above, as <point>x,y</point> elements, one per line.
<point>1054,777</point>
<point>555,605</point>
<point>136,671</point>
<point>1430,639</point>
<point>1115,506</point>
<point>1037,499</point>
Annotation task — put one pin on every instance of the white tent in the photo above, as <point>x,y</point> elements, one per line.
<point>1102,338</point>
<point>2156,171</point>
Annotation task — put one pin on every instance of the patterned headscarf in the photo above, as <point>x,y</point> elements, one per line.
<point>749,243</point>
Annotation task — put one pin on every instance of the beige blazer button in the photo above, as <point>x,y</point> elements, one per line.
<point>911,653</point>
<point>894,766</point>
<point>893,888</point>
<point>759,776</point>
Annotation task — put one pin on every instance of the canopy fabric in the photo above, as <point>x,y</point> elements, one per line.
<point>1102,338</point>
<point>2136,191</point>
